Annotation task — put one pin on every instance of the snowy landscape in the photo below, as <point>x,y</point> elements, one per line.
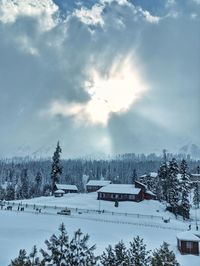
<point>24,229</point>
<point>99,133</point>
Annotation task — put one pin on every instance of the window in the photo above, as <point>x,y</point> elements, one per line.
<point>189,245</point>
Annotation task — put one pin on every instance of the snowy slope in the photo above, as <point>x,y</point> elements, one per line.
<point>24,229</point>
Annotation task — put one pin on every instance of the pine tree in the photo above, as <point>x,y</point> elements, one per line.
<point>2,193</point>
<point>38,183</point>
<point>34,259</point>
<point>79,252</point>
<point>57,246</point>
<point>10,192</point>
<point>121,254</point>
<point>196,197</point>
<point>63,252</point>
<point>174,190</point>
<point>163,175</point>
<point>56,170</point>
<point>117,256</point>
<point>21,260</point>
<point>185,206</point>
<point>134,176</point>
<point>138,254</point>
<point>23,189</point>
<point>164,257</point>
<point>108,257</point>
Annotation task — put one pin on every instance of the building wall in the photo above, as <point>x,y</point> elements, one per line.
<point>119,197</point>
<point>188,247</point>
<point>93,188</point>
<point>69,191</point>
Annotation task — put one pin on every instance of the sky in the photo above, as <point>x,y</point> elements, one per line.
<point>102,77</point>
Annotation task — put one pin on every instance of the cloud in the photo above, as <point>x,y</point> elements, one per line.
<point>101,73</point>
<point>44,11</point>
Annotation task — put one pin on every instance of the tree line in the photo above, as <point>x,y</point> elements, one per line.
<point>63,251</point>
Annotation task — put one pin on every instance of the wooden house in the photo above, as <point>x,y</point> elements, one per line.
<point>146,194</point>
<point>120,192</point>
<point>94,185</point>
<point>188,242</point>
<point>67,188</point>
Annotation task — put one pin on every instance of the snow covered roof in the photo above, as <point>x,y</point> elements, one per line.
<point>99,183</point>
<point>140,183</point>
<point>152,174</point>
<point>66,187</point>
<point>59,191</point>
<point>150,193</point>
<point>188,236</point>
<point>120,188</point>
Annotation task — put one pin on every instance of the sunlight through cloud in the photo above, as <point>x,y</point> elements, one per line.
<point>115,92</point>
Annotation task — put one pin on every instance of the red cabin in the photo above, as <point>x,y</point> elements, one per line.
<point>188,243</point>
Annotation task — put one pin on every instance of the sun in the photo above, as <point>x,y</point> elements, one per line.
<point>114,92</point>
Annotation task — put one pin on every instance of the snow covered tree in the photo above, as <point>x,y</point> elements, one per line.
<point>163,175</point>
<point>173,190</point>
<point>196,197</point>
<point>185,206</point>
<point>79,252</point>
<point>38,184</point>
<point>63,252</point>
<point>138,254</point>
<point>108,257</point>
<point>34,259</point>
<point>164,257</point>
<point>2,193</point>
<point>10,192</point>
<point>121,254</point>
<point>57,246</point>
<point>56,168</point>
<point>134,176</point>
<point>117,256</point>
<point>21,260</point>
<point>23,187</point>
<point>27,260</point>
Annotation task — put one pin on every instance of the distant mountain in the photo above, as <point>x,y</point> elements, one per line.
<point>191,149</point>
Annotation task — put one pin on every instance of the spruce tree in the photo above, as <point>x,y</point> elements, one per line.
<point>163,175</point>
<point>121,254</point>
<point>38,183</point>
<point>56,169</point>
<point>174,190</point>
<point>79,252</point>
<point>2,193</point>
<point>138,254</point>
<point>108,257</point>
<point>62,252</point>
<point>21,260</point>
<point>23,187</point>
<point>10,192</point>
<point>196,197</point>
<point>164,257</point>
<point>185,206</point>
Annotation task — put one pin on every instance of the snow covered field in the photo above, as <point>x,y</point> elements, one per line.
<point>24,229</point>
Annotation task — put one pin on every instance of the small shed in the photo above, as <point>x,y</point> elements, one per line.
<point>188,242</point>
<point>67,188</point>
<point>94,185</point>
<point>120,192</point>
<point>59,193</point>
